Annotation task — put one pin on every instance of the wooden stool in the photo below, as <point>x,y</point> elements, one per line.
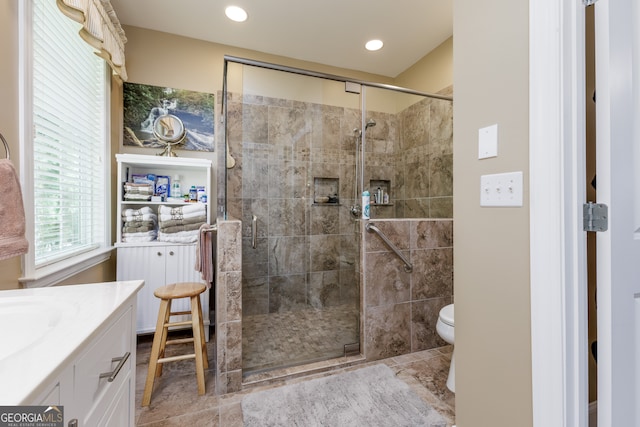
<point>166,295</point>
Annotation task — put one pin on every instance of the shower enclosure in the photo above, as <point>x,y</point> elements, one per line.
<point>301,148</point>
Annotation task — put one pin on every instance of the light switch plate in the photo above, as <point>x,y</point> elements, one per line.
<point>488,142</point>
<point>502,189</point>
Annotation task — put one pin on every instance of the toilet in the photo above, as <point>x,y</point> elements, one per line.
<point>444,327</point>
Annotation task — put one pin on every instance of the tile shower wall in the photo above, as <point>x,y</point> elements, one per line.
<point>228,307</point>
<point>400,309</point>
<point>305,254</point>
<point>414,151</point>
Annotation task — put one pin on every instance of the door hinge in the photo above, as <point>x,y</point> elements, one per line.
<point>595,217</point>
<point>588,2</point>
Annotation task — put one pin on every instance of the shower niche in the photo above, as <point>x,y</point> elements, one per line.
<point>325,191</point>
<point>380,192</point>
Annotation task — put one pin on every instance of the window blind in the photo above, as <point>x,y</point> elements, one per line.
<point>69,103</point>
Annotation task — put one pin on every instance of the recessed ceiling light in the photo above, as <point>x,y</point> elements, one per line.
<point>374,45</point>
<point>236,13</point>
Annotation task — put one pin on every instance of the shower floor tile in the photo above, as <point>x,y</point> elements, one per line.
<point>296,337</point>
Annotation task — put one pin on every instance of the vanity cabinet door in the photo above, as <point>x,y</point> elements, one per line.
<point>120,413</point>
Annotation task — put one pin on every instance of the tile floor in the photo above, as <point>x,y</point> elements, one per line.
<point>297,336</point>
<point>175,400</point>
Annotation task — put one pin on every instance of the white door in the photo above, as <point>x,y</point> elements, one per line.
<point>618,182</point>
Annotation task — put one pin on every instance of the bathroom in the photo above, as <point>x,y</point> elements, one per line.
<point>492,82</point>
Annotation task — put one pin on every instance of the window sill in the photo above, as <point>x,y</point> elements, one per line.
<point>56,273</point>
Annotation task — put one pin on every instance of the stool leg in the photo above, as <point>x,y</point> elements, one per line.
<point>196,321</point>
<point>202,339</point>
<point>155,351</point>
<point>165,333</point>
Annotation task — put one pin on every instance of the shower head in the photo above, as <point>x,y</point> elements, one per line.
<point>369,124</point>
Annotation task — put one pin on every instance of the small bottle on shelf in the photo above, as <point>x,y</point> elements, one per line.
<point>176,189</point>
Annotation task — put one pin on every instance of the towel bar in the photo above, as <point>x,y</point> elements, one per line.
<point>213,228</point>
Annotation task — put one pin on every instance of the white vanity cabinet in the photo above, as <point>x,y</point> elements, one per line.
<point>98,387</point>
<point>86,363</point>
<point>160,263</point>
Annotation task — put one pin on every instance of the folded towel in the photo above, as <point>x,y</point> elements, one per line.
<point>143,217</point>
<point>137,197</point>
<point>178,228</point>
<point>148,236</point>
<point>204,254</point>
<point>173,222</point>
<point>179,237</point>
<point>190,210</point>
<point>198,219</point>
<point>131,188</point>
<point>137,212</point>
<point>180,217</point>
<point>12,224</point>
<point>150,222</point>
<point>137,228</point>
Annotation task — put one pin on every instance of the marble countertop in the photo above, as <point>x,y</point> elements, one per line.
<point>41,329</point>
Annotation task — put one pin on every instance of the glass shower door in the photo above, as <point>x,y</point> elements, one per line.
<point>292,138</point>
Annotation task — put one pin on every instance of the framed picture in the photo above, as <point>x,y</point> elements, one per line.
<point>143,104</point>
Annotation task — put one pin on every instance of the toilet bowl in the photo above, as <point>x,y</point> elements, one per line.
<point>445,328</point>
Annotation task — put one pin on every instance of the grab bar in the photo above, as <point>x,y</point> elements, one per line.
<point>371,227</point>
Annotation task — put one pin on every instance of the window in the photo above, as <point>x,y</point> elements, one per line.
<point>65,158</point>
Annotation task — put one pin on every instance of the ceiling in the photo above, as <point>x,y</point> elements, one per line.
<point>331,32</point>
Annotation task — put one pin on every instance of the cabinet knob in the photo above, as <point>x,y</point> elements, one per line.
<point>171,253</point>
<point>159,253</point>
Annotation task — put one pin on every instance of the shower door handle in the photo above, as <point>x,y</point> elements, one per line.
<point>254,230</point>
